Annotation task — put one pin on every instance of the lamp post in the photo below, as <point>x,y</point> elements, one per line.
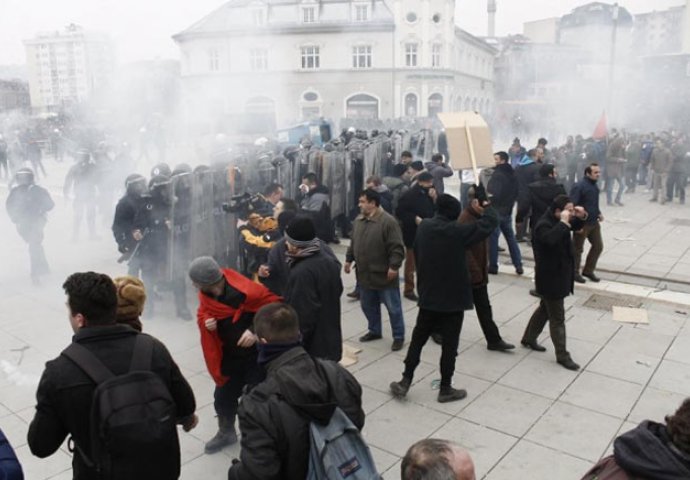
<point>612,59</point>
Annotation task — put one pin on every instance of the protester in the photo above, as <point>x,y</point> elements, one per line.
<point>436,459</point>
<point>131,297</point>
<point>313,290</point>
<point>445,290</point>
<point>374,183</point>
<point>660,164</point>
<point>585,194</point>
<point>66,389</point>
<point>526,172</point>
<point>227,304</point>
<point>377,250</point>
<point>439,170</point>
<point>615,169</point>
<point>275,414</point>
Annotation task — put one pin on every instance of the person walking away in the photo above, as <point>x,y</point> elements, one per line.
<point>398,184</point>
<point>632,164</point>
<point>67,390</point>
<point>585,194</point>
<point>541,194</point>
<point>554,275</point>
<point>313,289</point>
<point>503,189</point>
<point>27,206</point>
<point>227,304</point>
<point>439,170</point>
<point>660,165</point>
<point>416,204</point>
<point>275,415</point>
<point>477,265</point>
<point>678,177</point>
<point>82,180</point>
<point>526,172</point>
<point>377,251</point>
<point>615,166</point>
<point>445,289</point>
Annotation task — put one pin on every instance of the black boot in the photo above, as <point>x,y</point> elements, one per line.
<point>400,389</point>
<point>224,437</point>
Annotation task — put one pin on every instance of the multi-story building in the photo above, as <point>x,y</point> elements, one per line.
<point>296,59</point>
<point>66,67</point>
<point>14,95</point>
<point>659,32</point>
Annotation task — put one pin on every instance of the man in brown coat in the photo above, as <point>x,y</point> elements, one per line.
<point>660,165</point>
<point>478,266</point>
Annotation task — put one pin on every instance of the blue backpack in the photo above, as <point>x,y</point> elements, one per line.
<point>10,469</point>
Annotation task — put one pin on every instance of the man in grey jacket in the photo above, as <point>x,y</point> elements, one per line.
<point>439,170</point>
<point>377,249</point>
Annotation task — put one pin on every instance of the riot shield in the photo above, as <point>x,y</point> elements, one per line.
<point>202,220</point>
<point>179,246</point>
<point>224,223</point>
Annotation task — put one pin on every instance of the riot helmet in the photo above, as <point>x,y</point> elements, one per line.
<point>24,176</point>
<point>161,169</point>
<point>135,184</point>
<point>159,188</point>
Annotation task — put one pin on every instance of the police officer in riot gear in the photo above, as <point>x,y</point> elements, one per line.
<point>123,221</point>
<point>161,169</point>
<point>152,225</point>
<point>27,206</point>
<point>180,247</point>
<point>82,179</point>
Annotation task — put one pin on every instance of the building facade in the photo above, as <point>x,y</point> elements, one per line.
<point>659,32</point>
<point>14,95</point>
<point>291,60</point>
<point>66,67</point>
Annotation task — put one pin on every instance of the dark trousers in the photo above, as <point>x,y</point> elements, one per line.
<point>676,183</point>
<point>409,271</point>
<point>32,234</point>
<point>244,371</point>
<point>448,325</point>
<point>486,318</point>
<point>552,311</point>
<point>592,233</point>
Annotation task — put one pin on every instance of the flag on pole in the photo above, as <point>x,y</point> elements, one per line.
<point>601,130</point>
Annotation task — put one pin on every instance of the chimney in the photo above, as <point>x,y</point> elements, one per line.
<point>491,10</point>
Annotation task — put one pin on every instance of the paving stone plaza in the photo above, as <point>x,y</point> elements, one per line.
<point>525,416</point>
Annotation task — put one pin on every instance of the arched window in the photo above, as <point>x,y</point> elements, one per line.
<point>362,105</point>
<point>435,104</point>
<point>410,105</point>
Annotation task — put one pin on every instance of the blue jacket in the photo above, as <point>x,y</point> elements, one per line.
<point>585,193</point>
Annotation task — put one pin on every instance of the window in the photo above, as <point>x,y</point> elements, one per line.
<point>436,55</point>
<point>308,15</point>
<point>361,57</point>
<point>258,59</point>
<point>258,17</point>
<point>361,13</point>
<point>213,60</point>
<point>310,57</point>
<point>411,55</point>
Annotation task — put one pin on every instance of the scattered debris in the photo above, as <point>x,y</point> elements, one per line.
<point>646,364</point>
<point>630,315</point>
<point>681,312</point>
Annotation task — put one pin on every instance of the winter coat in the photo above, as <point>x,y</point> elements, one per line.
<point>526,173</point>
<point>375,246</point>
<point>313,289</point>
<point>211,343</point>
<point>439,171</point>
<point>661,160</point>
<point>477,254</point>
<point>646,452</point>
<point>554,256</point>
<point>123,222</point>
<point>541,194</point>
<point>503,188</point>
<point>585,193</point>
<point>277,265</point>
<point>386,198</point>
<point>414,203</point>
<point>274,416</point>
<point>443,281</point>
<point>397,187</point>
<point>28,204</point>
<point>615,158</point>
<point>65,392</point>
<point>315,204</point>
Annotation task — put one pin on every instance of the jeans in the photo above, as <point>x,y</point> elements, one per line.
<point>609,189</point>
<point>371,299</point>
<point>552,311</point>
<point>591,232</point>
<point>482,305</point>
<point>448,325</point>
<point>505,226</point>
<point>226,398</point>
<point>659,181</point>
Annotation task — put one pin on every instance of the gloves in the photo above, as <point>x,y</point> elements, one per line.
<point>480,193</point>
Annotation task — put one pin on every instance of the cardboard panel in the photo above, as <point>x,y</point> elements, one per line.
<point>458,145</point>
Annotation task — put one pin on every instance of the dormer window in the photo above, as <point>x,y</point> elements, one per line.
<point>258,17</point>
<point>361,13</point>
<point>308,14</point>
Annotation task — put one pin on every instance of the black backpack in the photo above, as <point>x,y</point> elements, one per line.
<point>133,433</point>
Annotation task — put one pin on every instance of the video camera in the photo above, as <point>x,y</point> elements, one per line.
<point>239,204</point>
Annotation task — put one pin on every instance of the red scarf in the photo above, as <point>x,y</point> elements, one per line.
<point>256,297</point>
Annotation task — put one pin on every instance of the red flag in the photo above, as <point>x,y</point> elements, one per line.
<point>601,131</point>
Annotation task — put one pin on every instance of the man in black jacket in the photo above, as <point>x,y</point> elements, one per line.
<point>313,289</point>
<point>541,194</point>
<point>414,205</point>
<point>554,258</point>
<point>123,221</point>
<point>503,188</point>
<point>526,172</point>
<point>275,415</point>
<point>65,391</point>
<point>445,289</point>
<point>585,194</point>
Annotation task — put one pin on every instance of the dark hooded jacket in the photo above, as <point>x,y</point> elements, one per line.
<point>503,188</point>
<point>644,453</point>
<point>275,415</point>
<point>541,195</point>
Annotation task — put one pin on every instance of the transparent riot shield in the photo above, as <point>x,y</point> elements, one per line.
<point>224,223</point>
<point>202,225</point>
<point>180,242</point>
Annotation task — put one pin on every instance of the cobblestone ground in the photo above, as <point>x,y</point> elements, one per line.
<point>523,413</point>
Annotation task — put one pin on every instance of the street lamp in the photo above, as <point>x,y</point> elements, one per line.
<point>612,59</point>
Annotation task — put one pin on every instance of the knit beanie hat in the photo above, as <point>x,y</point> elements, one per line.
<point>300,231</point>
<point>131,297</point>
<point>546,170</point>
<point>399,169</point>
<point>205,271</point>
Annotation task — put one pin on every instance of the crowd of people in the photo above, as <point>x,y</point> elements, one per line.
<point>270,329</point>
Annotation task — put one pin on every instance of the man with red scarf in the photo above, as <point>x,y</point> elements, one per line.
<point>227,304</point>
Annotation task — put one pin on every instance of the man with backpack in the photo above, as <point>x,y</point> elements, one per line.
<point>116,392</point>
<point>283,417</point>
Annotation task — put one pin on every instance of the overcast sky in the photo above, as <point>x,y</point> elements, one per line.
<point>141,29</point>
